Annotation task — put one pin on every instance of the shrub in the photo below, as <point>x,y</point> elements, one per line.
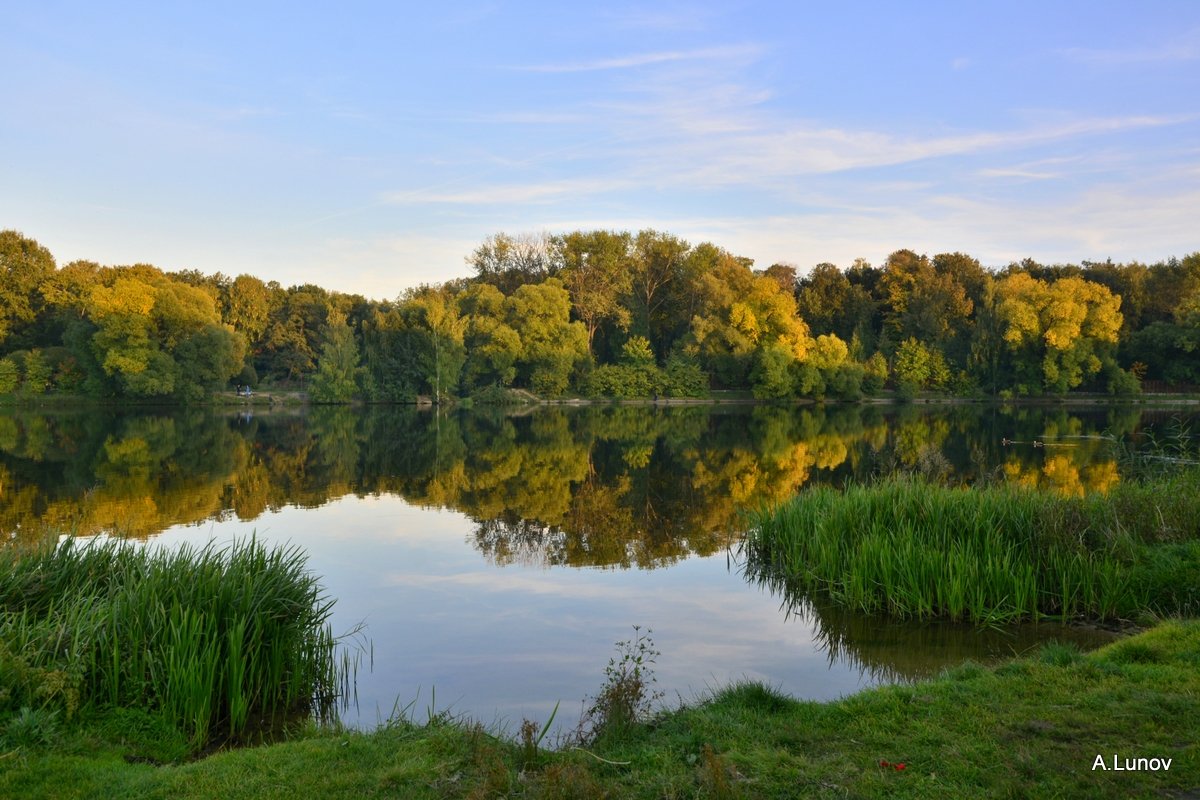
<point>624,380</point>
<point>844,381</point>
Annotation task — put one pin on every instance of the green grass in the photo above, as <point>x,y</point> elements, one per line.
<point>1026,728</point>
<point>993,554</point>
<point>223,643</point>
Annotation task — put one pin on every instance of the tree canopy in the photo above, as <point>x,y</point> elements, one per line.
<point>604,312</point>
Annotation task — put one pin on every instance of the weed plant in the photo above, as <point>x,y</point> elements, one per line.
<point>628,696</point>
<point>220,641</point>
<point>994,554</point>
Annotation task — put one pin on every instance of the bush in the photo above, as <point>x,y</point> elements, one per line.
<point>1123,383</point>
<point>625,380</point>
<point>844,381</point>
<point>809,381</point>
<point>247,377</point>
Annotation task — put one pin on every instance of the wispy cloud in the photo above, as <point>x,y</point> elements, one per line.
<point>769,154</point>
<point>511,193</point>
<point>1183,48</point>
<point>684,18</point>
<point>646,59</point>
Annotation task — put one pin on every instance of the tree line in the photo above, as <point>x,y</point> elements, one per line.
<point>603,313</point>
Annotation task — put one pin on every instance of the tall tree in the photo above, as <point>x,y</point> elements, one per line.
<point>507,262</point>
<point>597,273</point>
<point>438,310</point>
<point>657,260</point>
<point>822,299</point>
<point>926,304</point>
<point>338,369</point>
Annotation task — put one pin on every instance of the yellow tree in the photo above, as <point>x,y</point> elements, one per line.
<point>1058,333</point>
<point>747,320</point>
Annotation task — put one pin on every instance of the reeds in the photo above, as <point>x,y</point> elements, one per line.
<point>996,554</point>
<point>221,640</point>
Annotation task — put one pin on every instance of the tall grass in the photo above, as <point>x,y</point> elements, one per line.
<point>221,640</point>
<point>911,549</point>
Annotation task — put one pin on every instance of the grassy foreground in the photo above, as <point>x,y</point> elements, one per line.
<point>913,549</point>
<point>1027,728</point>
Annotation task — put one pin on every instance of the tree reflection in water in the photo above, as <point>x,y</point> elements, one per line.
<point>600,486</point>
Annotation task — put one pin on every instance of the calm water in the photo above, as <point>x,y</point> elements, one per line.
<point>495,558</point>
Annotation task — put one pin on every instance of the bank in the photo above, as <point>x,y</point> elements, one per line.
<point>1033,726</point>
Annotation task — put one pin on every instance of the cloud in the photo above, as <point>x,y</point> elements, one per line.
<point>691,18</point>
<point>1183,48</point>
<point>646,59</point>
<point>512,193</point>
<point>809,151</point>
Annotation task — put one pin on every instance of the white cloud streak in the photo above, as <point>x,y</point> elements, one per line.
<point>646,59</point>
<point>1182,49</point>
<point>512,193</point>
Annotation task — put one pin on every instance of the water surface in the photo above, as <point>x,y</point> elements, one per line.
<point>495,557</point>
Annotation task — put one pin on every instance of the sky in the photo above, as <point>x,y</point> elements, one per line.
<point>372,147</point>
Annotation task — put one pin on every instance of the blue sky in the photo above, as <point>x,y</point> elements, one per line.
<point>372,147</point>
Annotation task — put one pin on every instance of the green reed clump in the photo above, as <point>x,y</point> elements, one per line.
<point>217,639</point>
<point>911,549</point>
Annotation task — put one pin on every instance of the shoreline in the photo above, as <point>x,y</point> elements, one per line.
<point>972,731</point>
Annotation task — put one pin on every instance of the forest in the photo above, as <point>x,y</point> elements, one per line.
<point>604,314</point>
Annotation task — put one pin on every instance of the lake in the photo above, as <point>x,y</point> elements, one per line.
<point>496,556</point>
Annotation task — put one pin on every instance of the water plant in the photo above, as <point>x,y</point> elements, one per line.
<point>222,641</point>
<point>908,548</point>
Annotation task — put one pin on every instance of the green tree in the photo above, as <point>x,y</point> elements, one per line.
<point>493,347</point>
<point>597,272</point>
<point>553,347</point>
<point>122,342</point>
<point>338,370</point>
<point>772,376</point>
<point>920,367</point>
<point>36,373</point>
<point>10,376</point>
<point>288,347</point>
<point>437,309</point>
<point>928,303</point>
<point>246,305</point>
<point>24,266</point>
<point>657,262</point>
<point>822,298</point>
<point>395,352</point>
